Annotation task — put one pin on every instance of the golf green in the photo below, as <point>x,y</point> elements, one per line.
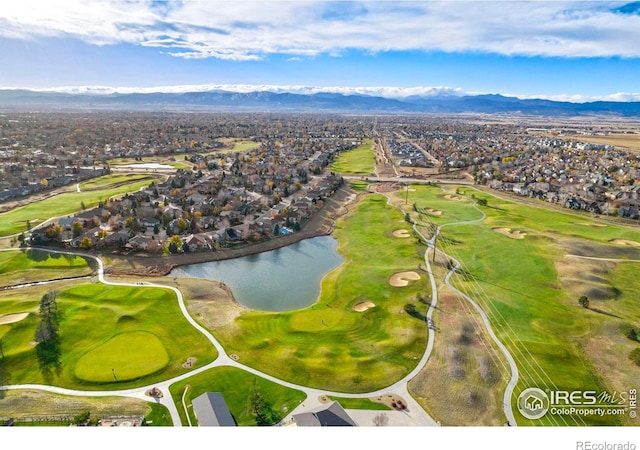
<point>126,356</point>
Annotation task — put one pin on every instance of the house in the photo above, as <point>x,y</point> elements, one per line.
<point>211,410</point>
<point>332,415</point>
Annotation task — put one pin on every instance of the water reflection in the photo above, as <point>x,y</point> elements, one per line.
<point>280,280</point>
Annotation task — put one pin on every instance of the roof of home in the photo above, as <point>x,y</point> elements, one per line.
<point>211,410</point>
<point>325,416</point>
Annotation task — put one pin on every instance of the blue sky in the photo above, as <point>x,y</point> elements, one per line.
<point>569,50</point>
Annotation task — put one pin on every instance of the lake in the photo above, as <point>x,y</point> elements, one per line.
<point>279,280</point>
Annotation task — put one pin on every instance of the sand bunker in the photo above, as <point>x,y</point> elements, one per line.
<point>403,278</point>
<point>363,306</point>
<point>451,197</point>
<point>12,318</point>
<point>597,225</point>
<point>625,242</point>
<point>434,212</point>
<point>511,234</point>
<point>401,234</point>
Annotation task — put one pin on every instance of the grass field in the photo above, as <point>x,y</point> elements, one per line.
<point>178,164</point>
<point>359,161</point>
<point>15,221</point>
<point>237,387</point>
<point>30,405</point>
<point>111,337</point>
<point>518,282</point>
<point>330,345</point>
<point>111,181</point>
<point>28,266</point>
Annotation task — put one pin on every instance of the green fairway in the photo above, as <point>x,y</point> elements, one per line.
<point>111,181</point>
<point>150,160</point>
<point>28,266</point>
<point>124,357</point>
<point>359,161</point>
<point>15,221</point>
<point>331,344</point>
<point>237,388</point>
<point>527,287</point>
<point>140,332</point>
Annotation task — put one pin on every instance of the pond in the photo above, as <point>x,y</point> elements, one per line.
<point>279,280</point>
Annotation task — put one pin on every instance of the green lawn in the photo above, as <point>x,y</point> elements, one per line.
<point>330,345</point>
<point>359,161</point>
<point>237,387</point>
<point>28,266</point>
<point>138,332</point>
<point>15,221</point>
<point>517,283</point>
<point>110,181</point>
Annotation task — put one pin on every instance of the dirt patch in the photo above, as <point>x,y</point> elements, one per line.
<point>12,318</point>
<point>402,278</point>
<point>190,362</point>
<point>209,302</point>
<point>516,234</point>
<point>401,234</point>
<point>391,400</point>
<point>363,306</point>
<point>434,212</point>
<point>452,197</point>
<point>625,242</point>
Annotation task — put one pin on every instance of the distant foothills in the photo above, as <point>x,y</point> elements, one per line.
<point>266,101</point>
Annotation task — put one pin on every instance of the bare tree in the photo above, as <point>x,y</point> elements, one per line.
<point>381,420</point>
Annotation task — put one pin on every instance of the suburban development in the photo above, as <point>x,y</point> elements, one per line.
<point>407,269</point>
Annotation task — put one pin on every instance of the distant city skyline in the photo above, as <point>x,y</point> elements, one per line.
<point>574,51</point>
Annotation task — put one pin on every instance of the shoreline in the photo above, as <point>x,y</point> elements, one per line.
<point>321,224</point>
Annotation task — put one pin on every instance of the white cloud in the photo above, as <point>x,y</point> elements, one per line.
<point>250,30</point>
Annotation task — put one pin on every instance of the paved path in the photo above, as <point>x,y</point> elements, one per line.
<point>414,414</point>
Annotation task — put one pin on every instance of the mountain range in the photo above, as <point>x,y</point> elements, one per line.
<point>265,101</point>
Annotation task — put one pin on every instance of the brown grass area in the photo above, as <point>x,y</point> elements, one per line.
<point>26,403</point>
<point>461,384</point>
<point>607,349</point>
<point>626,141</point>
<point>587,277</point>
<point>211,303</point>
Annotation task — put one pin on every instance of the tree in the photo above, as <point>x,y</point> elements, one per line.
<point>76,229</point>
<point>632,334</point>
<point>82,206</point>
<point>49,318</point>
<point>584,301</point>
<point>380,420</point>
<point>53,232</point>
<point>86,243</point>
